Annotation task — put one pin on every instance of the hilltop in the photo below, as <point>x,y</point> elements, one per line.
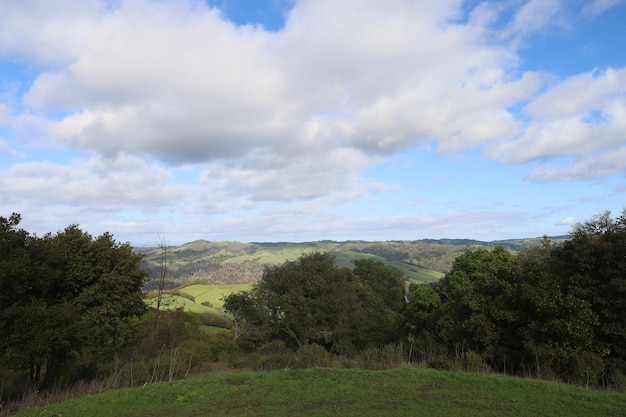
<point>348,392</point>
<point>226,262</point>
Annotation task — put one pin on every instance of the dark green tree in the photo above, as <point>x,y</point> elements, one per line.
<point>385,282</point>
<point>476,313</point>
<point>311,300</point>
<point>65,295</point>
<point>592,268</point>
<point>420,317</point>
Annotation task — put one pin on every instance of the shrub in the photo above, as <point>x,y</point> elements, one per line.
<point>314,356</point>
<point>441,363</point>
<point>472,362</point>
<point>275,361</point>
<point>390,356</point>
<point>589,367</point>
<point>223,347</point>
<point>618,381</point>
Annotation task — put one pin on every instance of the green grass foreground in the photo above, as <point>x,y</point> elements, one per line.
<point>348,392</point>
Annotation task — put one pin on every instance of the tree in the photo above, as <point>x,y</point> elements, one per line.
<point>311,300</point>
<point>420,318</point>
<point>385,282</point>
<point>592,268</point>
<point>65,295</point>
<point>476,298</point>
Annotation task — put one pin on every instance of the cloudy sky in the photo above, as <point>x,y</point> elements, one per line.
<point>300,120</point>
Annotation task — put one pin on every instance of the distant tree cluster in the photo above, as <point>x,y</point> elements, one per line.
<point>311,300</point>
<point>64,296</point>
<point>557,310</point>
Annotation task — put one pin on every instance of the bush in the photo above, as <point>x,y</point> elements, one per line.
<point>472,362</point>
<point>223,347</point>
<point>275,361</point>
<point>618,381</point>
<point>589,367</point>
<point>253,361</point>
<point>314,356</point>
<point>440,363</point>
<point>390,356</point>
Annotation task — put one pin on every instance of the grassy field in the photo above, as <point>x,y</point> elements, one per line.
<point>198,293</point>
<point>351,392</point>
<point>277,254</point>
<point>213,293</point>
<point>173,302</point>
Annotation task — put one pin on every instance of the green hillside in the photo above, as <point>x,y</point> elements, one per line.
<point>407,392</point>
<point>236,263</point>
<point>196,298</point>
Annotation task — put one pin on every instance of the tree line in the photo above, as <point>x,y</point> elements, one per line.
<point>553,311</point>
<point>72,303</point>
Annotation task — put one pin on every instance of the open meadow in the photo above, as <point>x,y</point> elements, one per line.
<point>348,392</point>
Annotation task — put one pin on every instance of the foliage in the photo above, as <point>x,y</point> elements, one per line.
<point>64,296</point>
<point>387,357</point>
<point>311,300</point>
<point>554,310</point>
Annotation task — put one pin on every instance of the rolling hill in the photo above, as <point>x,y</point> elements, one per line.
<point>227,262</point>
<point>345,392</point>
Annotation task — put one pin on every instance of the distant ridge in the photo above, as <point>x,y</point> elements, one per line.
<point>231,262</point>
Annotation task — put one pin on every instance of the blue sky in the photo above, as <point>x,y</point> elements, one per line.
<point>302,120</point>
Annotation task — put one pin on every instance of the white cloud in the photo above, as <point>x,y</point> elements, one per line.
<point>568,221</point>
<point>5,114</point>
<point>302,177</point>
<point>583,168</point>
<point>296,114</point>
<point>583,117</point>
<point>176,81</point>
<point>123,183</point>
<point>597,7</point>
<point>47,33</point>
<point>534,16</point>
<point>181,83</point>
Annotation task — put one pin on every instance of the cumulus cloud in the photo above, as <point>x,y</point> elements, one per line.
<point>48,34</point>
<point>582,117</point>
<point>299,113</point>
<point>583,168</point>
<point>309,176</point>
<point>123,183</point>
<point>176,80</point>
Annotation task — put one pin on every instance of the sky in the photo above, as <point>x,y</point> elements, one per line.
<point>306,120</point>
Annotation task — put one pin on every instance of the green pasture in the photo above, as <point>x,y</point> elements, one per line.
<point>413,392</point>
<point>275,254</point>
<point>213,293</point>
<point>173,302</point>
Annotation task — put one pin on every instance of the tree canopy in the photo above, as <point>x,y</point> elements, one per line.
<point>64,295</point>
<point>311,300</point>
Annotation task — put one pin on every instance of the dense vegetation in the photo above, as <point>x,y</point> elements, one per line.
<point>64,298</point>
<point>72,312</point>
<point>550,311</point>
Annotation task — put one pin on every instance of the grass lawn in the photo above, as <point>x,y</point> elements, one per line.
<point>352,392</point>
